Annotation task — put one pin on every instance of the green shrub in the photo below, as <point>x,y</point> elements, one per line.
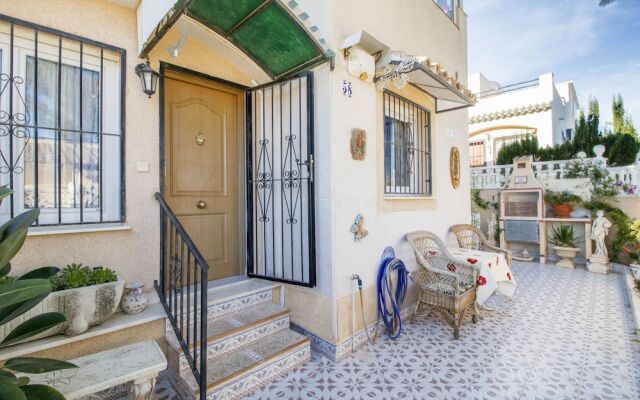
<point>604,185</point>
<point>75,276</point>
<point>623,150</point>
<point>621,220</point>
<point>556,198</point>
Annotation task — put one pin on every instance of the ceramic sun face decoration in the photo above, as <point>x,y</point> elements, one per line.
<point>454,167</point>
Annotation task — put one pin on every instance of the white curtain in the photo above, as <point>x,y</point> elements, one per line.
<point>49,158</point>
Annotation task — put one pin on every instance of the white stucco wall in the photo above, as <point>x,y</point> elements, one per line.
<point>418,28</point>
<point>548,125</point>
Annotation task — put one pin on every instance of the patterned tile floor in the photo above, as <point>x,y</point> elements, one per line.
<point>566,334</point>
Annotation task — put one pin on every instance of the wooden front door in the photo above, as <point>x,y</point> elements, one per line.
<point>202,174</point>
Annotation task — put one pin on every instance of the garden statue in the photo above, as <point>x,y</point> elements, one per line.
<point>599,232</point>
<point>599,261</point>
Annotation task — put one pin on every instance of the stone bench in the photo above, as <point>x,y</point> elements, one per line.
<point>130,370</point>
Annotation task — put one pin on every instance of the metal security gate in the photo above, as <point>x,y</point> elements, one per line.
<point>280,207</point>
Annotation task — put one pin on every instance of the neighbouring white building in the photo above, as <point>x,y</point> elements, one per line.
<point>539,107</point>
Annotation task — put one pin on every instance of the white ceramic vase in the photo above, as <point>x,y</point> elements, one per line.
<point>136,301</point>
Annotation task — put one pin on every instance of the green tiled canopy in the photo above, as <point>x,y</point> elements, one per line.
<point>265,30</point>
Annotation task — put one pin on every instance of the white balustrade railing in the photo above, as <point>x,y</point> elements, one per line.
<point>496,176</point>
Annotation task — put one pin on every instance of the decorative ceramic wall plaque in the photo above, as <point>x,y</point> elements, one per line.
<point>358,230</point>
<point>358,144</point>
<point>454,167</point>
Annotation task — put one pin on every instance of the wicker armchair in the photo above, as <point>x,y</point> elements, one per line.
<point>470,237</point>
<point>444,283</point>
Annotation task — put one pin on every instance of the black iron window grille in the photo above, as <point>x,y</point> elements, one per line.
<point>407,147</point>
<point>61,125</point>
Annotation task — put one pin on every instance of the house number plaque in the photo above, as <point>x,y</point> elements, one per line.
<point>200,139</point>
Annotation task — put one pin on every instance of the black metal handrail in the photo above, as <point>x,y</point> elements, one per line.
<point>176,272</point>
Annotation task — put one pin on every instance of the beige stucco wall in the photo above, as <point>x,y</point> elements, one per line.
<point>132,253</point>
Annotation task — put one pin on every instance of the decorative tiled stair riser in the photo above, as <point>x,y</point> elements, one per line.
<point>217,348</point>
<point>245,386</point>
<point>219,310</point>
<point>249,344</point>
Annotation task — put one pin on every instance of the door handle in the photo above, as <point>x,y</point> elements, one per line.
<point>201,204</point>
<point>309,165</point>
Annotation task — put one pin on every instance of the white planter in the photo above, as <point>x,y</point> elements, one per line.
<point>635,271</point>
<point>83,307</point>
<point>634,299</point>
<point>566,254</point>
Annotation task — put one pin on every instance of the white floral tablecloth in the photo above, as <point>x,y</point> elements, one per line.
<point>494,276</point>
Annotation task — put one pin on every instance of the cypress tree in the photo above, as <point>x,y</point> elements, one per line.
<point>618,114</point>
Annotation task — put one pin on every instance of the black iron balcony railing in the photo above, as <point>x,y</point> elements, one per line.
<point>183,291</point>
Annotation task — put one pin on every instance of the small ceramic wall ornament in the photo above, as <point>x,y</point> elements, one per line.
<point>454,167</point>
<point>358,144</point>
<point>358,230</point>
<point>135,301</point>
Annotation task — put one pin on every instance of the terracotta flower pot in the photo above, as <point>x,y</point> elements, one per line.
<point>562,210</point>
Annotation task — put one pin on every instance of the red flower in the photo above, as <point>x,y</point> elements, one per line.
<point>626,251</point>
<point>509,275</point>
<point>451,267</point>
<point>472,260</point>
<point>481,281</point>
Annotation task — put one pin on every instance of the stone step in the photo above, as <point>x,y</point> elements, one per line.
<point>232,297</point>
<point>239,373</point>
<point>233,331</point>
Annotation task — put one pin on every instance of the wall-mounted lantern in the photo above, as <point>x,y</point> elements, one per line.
<point>148,78</point>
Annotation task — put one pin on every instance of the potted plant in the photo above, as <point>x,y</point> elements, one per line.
<point>561,202</point>
<point>85,296</point>
<point>17,297</point>
<point>565,245</point>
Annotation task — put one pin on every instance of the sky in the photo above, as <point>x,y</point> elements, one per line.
<point>598,48</point>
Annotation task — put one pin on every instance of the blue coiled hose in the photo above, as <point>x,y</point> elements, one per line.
<point>389,303</point>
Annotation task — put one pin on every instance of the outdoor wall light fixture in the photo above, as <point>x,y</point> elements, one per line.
<point>148,78</point>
